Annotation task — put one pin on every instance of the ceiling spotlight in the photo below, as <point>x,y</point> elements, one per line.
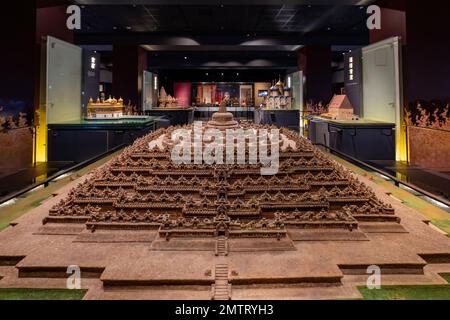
<point>128,27</point>
<point>221,74</point>
<point>115,28</point>
<point>185,58</point>
<point>207,74</point>
<point>329,28</point>
<point>237,73</point>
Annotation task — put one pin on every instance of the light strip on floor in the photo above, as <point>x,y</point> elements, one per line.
<point>382,176</point>
<point>35,189</point>
<point>65,175</point>
<point>8,203</point>
<point>437,203</point>
<point>393,197</point>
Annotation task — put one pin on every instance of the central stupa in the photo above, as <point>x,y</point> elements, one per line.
<point>222,119</point>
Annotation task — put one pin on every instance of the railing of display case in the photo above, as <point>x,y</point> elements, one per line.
<point>47,181</point>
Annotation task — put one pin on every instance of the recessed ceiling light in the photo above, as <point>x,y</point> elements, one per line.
<point>115,28</point>
<point>185,58</point>
<point>329,28</point>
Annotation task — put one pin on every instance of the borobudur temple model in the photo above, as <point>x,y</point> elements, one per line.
<point>143,189</point>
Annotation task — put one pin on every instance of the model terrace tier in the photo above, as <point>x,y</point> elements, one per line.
<point>142,189</point>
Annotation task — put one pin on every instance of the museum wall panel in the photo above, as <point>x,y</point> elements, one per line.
<point>427,92</point>
<point>17,147</point>
<point>379,82</point>
<point>63,82</point>
<point>393,23</point>
<point>260,86</point>
<point>51,21</point>
<point>150,90</point>
<point>315,62</point>
<point>91,77</point>
<point>429,134</point>
<point>428,51</point>
<point>129,62</point>
<point>182,90</point>
<point>430,148</point>
<point>17,84</point>
<point>353,81</point>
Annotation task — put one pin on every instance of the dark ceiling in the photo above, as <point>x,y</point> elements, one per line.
<point>227,34</point>
<point>225,20</point>
<point>223,25</point>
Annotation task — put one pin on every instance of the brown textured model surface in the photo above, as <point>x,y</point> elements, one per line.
<point>144,190</point>
<point>142,227</point>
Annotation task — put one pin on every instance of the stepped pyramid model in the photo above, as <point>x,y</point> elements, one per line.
<point>142,189</point>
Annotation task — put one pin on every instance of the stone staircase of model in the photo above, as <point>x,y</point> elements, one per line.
<point>221,289</point>
<point>221,246</point>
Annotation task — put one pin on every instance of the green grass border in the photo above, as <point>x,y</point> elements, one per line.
<point>407,292</point>
<point>446,276</point>
<point>41,294</point>
<point>444,225</point>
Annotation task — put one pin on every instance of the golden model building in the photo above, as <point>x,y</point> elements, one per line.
<point>107,109</point>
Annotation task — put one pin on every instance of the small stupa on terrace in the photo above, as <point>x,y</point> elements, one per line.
<point>222,119</point>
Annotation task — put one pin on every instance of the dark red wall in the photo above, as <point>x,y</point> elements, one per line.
<point>18,56</point>
<point>129,61</point>
<point>393,23</point>
<point>18,61</point>
<point>182,91</point>
<point>315,61</point>
<point>52,21</point>
<point>428,50</point>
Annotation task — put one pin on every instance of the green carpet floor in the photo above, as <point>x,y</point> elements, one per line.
<point>41,294</point>
<point>416,292</point>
